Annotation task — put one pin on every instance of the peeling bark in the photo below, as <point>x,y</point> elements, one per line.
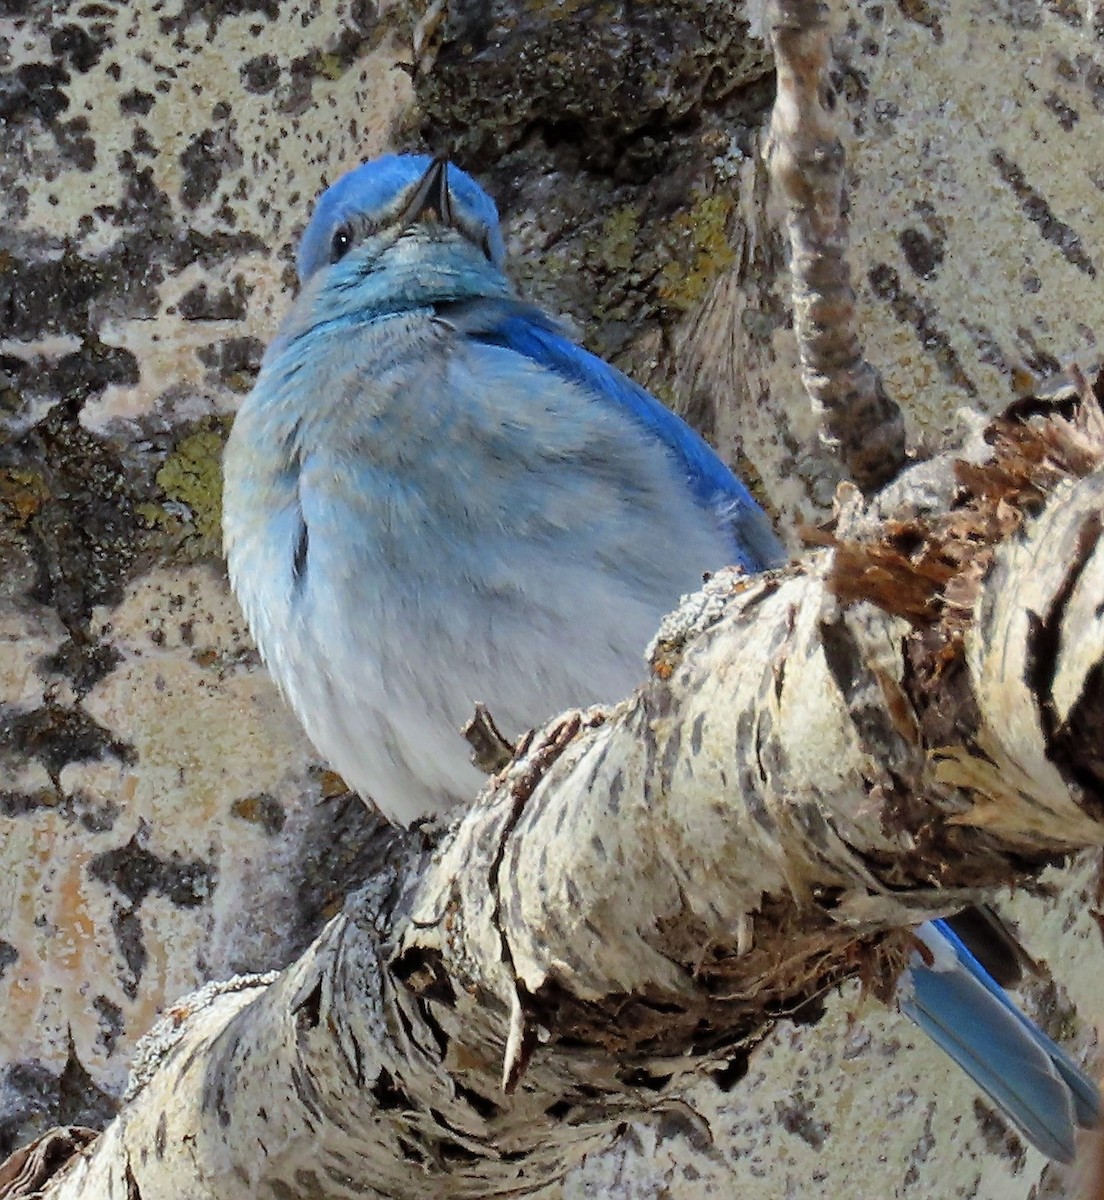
<point>645,888</point>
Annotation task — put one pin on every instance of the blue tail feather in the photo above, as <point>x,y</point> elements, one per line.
<point>1033,1082</point>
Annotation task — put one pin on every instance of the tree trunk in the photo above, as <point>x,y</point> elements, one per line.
<point>161,818</point>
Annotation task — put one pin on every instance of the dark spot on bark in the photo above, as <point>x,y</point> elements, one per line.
<point>202,163</point>
<point>236,361</point>
<point>134,872</point>
<point>296,94</point>
<point>921,12</point>
<point>1065,69</point>
<point>1000,1140</point>
<point>309,1183</point>
<point>910,310</point>
<point>798,1119</point>
<point>87,537</point>
<point>83,663</point>
<point>92,369</point>
<point>672,753</point>
<point>853,85</point>
<point>988,348</point>
<point>136,102</point>
<point>33,91</point>
<point>80,1101</point>
<point>160,1136</point>
<point>75,143</point>
<point>227,304</point>
<point>209,249</point>
<point>1035,207</point>
<point>142,143</point>
<point>307,1092</point>
<point>213,12</point>
<point>616,791</point>
<point>21,804</point>
<point>922,253</point>
<point>220,1106</point>
<point>78,46</point>
<point>56,736</point>
<point>886,111</point>
<point>96,818</point>
<point>112,1025</point>
<point>8,955</point>
<point>559,1110</point>
<point>749,772</point>
<point>1039,359</point>
<point>364,15</point>
<point>261,74</point>
<point>1067,117</point>
<point>263,810</point>
<point>56,295</point>
<point>677,1123</point>
<point>150,236</point>
<point>126,924</point>
<point>1067,10</point>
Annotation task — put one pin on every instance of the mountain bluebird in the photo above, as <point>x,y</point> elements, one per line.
<point>434,497</point>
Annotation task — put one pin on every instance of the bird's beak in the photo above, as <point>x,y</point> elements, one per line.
<point>431,196</point>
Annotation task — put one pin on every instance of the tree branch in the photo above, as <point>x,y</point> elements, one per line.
<point>644,889</point>
<point>807,166</point>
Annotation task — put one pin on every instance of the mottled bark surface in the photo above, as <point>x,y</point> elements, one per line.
<point>161,819</point>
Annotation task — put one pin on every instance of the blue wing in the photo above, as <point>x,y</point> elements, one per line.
<point>529,332</point>
<point>1032,1081</point>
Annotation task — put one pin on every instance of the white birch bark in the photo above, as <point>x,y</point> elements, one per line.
<point>644,889</point>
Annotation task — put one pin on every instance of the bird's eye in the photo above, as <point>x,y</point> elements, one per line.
<point>340,243</point>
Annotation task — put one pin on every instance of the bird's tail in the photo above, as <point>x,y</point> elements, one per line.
<point>1033,1082</point>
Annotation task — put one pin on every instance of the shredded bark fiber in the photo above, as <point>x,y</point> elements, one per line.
<point>931,572</point>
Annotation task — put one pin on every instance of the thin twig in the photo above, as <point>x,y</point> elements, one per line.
<point>807,166</point>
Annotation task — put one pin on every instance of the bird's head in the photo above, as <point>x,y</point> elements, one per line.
<point>407,227</point>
